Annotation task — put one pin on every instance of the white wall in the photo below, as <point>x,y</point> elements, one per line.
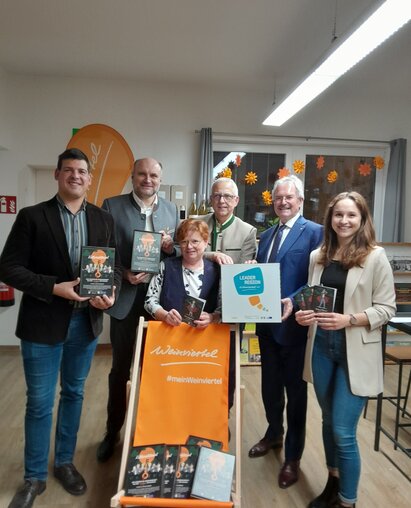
<point>156,120</point>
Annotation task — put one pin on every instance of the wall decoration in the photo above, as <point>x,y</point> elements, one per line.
<point>111,160</point>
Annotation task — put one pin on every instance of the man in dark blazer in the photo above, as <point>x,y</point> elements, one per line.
<point>282,345</point>
<point>143,210</point>
<point>58,328</point>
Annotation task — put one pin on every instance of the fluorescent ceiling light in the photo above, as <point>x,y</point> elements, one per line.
<point>385,21</point>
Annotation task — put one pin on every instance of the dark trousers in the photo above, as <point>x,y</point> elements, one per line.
<point>123,339</point>
<point>282,386</point>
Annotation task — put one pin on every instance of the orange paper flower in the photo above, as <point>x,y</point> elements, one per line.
<point>320,162</point>
<point>283,172</point>
<point>266,195</point>
<point>250,178</point>
<point>238,160</point>
<point>332,176</point>
<point>364,169</point>
<point>378,162</point>
<point>298,166</point>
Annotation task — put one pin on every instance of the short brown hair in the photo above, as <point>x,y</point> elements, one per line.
<point>192,225</point>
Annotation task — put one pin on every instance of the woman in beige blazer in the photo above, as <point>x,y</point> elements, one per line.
<point>344,354</point>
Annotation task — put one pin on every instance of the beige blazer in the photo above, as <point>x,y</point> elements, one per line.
<point>368,289</point>
<point>239,240</point>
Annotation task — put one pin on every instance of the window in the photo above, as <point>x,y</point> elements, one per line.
<point>265,155</point>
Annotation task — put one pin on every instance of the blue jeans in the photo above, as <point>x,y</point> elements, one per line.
<point>42,365</point>
<point>341,410</point>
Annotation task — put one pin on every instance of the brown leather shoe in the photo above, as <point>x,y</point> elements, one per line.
<point>264,446</point>
<point>289,473</point>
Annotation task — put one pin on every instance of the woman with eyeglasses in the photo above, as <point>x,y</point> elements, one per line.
<point>191,274</point>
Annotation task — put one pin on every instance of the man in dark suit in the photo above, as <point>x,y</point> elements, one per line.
<point>282,345</point>
<point>143,210</point>
<point>58,328</point>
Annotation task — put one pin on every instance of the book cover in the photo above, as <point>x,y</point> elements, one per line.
<point>192,309</point>
<point>145,256</point>
<point>145,470</point>
<point>213,476</point>
<point>96,271</point>
<point>202,441</point>
<point>186,465</point>
<point>324,298</point>
<point>254,354</point>
<point>171,455</point>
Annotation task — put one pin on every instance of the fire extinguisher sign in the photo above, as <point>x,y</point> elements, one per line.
<point>8,204</point>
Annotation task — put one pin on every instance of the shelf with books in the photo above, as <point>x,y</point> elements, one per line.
<point>250,348</point>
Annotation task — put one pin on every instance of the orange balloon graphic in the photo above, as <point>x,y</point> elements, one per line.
<point>147,240</point>
<point>146,457</point>
<point>98,257</point>
<point>111,160</point>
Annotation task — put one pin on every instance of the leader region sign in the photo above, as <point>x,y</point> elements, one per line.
<point>251,293</point>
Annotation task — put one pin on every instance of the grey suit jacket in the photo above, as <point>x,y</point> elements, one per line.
<point>237,241</point>
<point>128,217</point>
<point>370,289</point>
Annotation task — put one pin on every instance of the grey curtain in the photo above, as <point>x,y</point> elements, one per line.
<point>206,162</point>
<point>394,206</point>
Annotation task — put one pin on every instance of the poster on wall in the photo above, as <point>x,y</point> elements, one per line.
<point>111,160</point>
<point>251,293</point>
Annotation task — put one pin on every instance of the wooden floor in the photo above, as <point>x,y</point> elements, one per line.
<point>381,486</point>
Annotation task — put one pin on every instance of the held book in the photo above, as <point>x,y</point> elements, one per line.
<point>318,298</point>
<point>214,475</point>
<point>96,271</point>
<point>145,470</point>
<point>186,466</point>
<point>145,256</point>
<point>192,309</point>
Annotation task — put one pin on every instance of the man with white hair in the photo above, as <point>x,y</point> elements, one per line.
<point>231,241</point>
<point>282,345</point>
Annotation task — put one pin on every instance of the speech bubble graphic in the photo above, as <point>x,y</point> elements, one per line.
<point>250,282</point>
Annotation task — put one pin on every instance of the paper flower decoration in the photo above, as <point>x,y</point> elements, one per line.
<point>332,176</point>
<point>364,169</point>
<point>225,173</point>
<point>298,166</point>
<point>266,195</point>
<point>283,172</point>
<point>250,178</point>
<point>320,162</point>
<point>378,162</point>
<point>238,160</point>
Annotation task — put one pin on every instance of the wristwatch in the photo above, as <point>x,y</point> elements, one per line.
<point>353,320</point>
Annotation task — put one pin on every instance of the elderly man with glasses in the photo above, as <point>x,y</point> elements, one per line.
<point>231,241</point>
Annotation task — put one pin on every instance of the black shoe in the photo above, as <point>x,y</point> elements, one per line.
<point>71,479</point>
<point>26,494</point>
<point>329,496</point>
<point>264,446</point>
<point>106,448</point>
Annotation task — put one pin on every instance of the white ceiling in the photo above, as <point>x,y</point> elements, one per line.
<point>261,46</point>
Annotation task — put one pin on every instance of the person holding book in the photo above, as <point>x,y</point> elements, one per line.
<point>142,210</point>
<point>282,345</point>
<point>58,328</point>
<point>344,354</point>
<point>189,275</point>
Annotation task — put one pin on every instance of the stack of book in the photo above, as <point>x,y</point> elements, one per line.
<point>195,469</point>
<point>317,298</point>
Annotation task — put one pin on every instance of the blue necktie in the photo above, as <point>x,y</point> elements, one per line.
<point>276,244</point>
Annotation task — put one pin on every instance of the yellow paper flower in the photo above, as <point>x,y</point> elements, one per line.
<point>364,169</point>
<point>266,195</point>
<point>379,162</point>
<point>238,160</point>
<point>226,173</point>
<point>250,178</point>
<point>332,176</point>
<point>283,172</point>
<point>298,166</point>
<point>320,162</point>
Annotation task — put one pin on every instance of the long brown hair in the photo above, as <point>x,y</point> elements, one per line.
<point>362,242</point>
